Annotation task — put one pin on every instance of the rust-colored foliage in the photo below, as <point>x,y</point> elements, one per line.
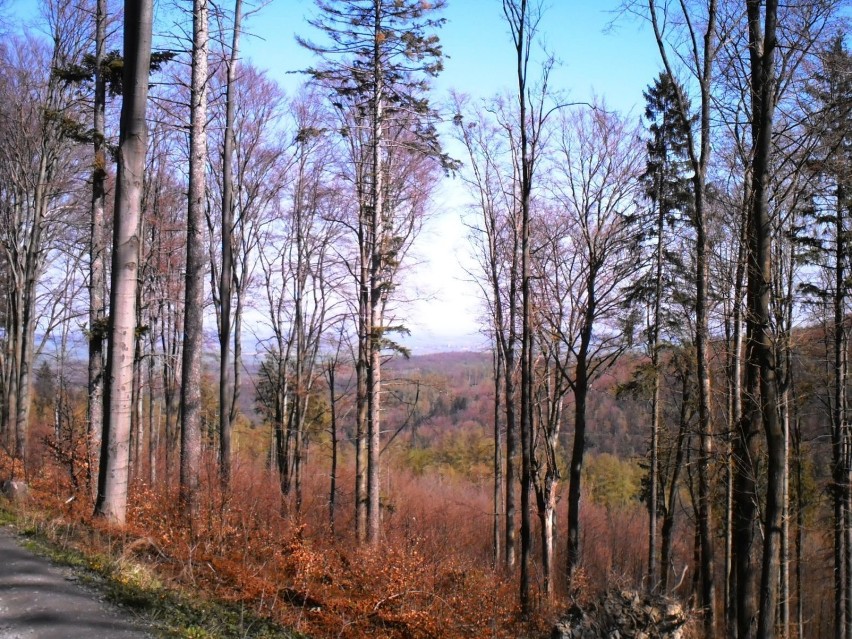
<point>242,549</point>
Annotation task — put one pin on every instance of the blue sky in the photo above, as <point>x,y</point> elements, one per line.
<point>615,63</point>
<point>595,57</point>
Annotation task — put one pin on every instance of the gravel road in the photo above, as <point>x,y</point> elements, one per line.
<point>39,600</point>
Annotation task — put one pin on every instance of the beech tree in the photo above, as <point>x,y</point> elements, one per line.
<point>595,186</point>
<point>760,354</point>
<point>523,19</point>
<point>111,501</point>
<point>164,255</point>
<point>797,30</point>
<point>38,162</point>
<point>486,130</point>
<point>228,393</point>
<point>190,390</point>
<point>297,264</point>
<point>247,179</point>
<point>97,242</point>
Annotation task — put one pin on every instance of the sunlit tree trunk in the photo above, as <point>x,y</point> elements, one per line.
<point>376,284</point>
<point>111,501</point>
<point>734,410</point>
<point>190,392</point>
<point>227,392</point>
<point>97,311</point>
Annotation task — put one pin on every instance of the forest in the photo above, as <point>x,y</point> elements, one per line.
<point>205,363</point>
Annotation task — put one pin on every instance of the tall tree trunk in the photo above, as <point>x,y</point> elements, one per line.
<point>136,400</point>
<point>546,498</point>
<point>111,501</point>
<point>332,406</point>
<point>656,408</point>
<point>800,525</point>
<point>227,393</point>
<point>705,426</point>
<point>746,453</point>
<point>762,50</point>
<point>511,449</point>
<point>700,159</point>
<point>376,284</point>
<point>153,424</point>
<point>97,311</point>
<point>517,13</point>
<point>22,415</point>
<point>734,400</point>
<point>581,391</point>
<point>190,392</point>
<point>841,436</point>
<point>784,599</point>
<point>498,455</point>
<point>361,373</point>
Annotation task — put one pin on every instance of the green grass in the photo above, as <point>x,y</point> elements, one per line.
<point>136,588</point>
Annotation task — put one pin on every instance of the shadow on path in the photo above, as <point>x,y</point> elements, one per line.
<point>39,600</point>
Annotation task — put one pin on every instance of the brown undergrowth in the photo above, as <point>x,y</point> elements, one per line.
<point>428,577</point>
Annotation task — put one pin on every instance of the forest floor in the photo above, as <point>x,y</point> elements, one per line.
<point>42,600</point>
<point>50,590</point>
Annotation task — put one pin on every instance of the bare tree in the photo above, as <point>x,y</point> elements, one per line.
<point>164,255</point>
<point>595,186</point>
<point>228,393</point>
<point>39,130</point>
<point>297,261</point>
<point>113,472</point>
<point>523,19</point>
<point>190,392</point>
<point>486,132</point>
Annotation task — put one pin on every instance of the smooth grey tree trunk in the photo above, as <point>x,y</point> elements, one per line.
<point>190,392</point>
<point>227,391</point>
<point>111,502</point>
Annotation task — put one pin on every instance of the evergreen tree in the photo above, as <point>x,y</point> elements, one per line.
<point>377,58</point>
<point>826,245</point>
<point>668,188</point>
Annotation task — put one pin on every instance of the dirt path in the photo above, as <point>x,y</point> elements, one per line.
<point>39,600</point>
